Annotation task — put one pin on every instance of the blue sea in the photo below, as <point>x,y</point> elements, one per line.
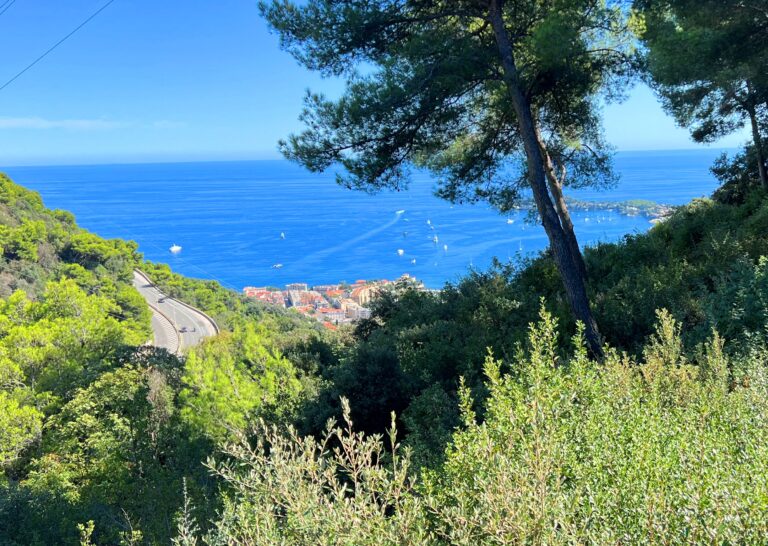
<point>236,221</point>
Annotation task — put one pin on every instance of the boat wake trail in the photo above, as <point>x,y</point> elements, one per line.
<point>320,254</point>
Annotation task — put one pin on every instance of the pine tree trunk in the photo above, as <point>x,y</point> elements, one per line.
<point>556,189</point>
<point>573,280</point>
<point>758,142</point>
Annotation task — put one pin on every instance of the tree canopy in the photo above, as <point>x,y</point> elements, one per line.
<point>492,96</point>
<point>707,60</point>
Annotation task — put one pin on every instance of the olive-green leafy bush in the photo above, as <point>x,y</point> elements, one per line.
<point>669,450</point>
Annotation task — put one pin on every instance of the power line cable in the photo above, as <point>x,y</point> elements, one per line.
<point>57,44</point>
<point>6,6</point>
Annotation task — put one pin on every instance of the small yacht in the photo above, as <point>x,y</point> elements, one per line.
<point>445,248</point>
<point>510,221</point>
<point>434,239</point>
<point>400,251</point>
<point>175,249</point>
<point>401,211</point>
<point>413,261</point>
<point>277,266</point>
<point>282,235</point>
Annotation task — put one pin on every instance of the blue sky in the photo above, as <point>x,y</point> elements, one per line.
<point>174,80</point>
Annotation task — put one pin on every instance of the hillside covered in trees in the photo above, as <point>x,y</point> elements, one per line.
<point>615,394</point>
<point>98,427</point>
<point>95,424</point>
<point>103,432</point>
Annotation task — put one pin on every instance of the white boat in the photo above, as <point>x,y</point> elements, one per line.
<point>277,266</point>
<point>429,222</point>
<point>445,248</point>
<point>510,221</point>
<point>400,251</point>
<point>401,211</point>
<point>282,235</point>
<point>434,239</point>
<point>413,261</point>
<point>175,249</point>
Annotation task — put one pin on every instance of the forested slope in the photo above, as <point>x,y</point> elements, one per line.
<point>102,436</point>
<point>97,426</point>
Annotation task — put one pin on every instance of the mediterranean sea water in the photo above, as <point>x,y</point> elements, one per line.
<point>256,223</point>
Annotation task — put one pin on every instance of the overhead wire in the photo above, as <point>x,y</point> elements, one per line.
<point>57,44</point>
<point>6,6</point>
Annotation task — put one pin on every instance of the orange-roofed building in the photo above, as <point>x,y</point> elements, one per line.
<point>332,313</point>
<point>271,297</point>
<point>364,294</point>
<point>304,309</point>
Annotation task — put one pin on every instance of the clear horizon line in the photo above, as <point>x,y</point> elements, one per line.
<point>148,161</point>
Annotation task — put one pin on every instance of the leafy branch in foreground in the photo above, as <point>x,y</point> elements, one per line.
<point>345,488</point>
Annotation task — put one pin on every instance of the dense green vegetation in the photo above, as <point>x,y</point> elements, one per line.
<point>104,438</point>
<point>664,450</point>
<point>705,264</point>
<point>97,427</point>
<point>485,413</point>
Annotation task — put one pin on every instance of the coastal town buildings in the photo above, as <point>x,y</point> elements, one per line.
<point>331,304</point>
<point>264,294</point>
<point>297,286</point>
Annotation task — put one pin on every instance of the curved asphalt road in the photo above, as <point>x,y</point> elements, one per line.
<point>176,326</point>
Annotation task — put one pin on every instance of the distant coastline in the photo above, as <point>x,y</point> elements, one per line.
<point>632,207</point>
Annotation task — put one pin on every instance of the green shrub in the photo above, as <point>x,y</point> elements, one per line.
<point>669,450</point>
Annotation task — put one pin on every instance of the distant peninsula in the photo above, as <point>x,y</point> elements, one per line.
<point>634,207</point>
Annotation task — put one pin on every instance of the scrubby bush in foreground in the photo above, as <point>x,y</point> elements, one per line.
<point>672,450</point>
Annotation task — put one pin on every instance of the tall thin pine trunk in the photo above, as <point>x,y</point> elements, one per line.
<point>573,279</point>
<point>556,189</point>
<point>749,106</point>
<point>758,142</point>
